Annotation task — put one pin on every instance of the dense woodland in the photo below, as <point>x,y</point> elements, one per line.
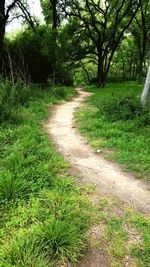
<point>81,41</point>
<point>46,216</point>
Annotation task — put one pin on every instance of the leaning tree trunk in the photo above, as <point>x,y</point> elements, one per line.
<point>145,92</point>
<point>2,33</point>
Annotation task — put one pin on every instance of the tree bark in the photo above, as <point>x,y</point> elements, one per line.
<point>142,52</point>
<point>145,92</point>
<point>54,14</point>
<point>101,76</point>
<point>2,33</point>
<point>54,29</point>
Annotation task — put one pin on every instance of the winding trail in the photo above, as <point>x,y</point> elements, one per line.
<point>108,177</point>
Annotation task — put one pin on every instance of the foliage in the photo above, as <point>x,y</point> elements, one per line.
<point>103,25</point>
<point>126,107</point>
<point>96,39</point>
<point>11,97</point>
<point>32,56</point>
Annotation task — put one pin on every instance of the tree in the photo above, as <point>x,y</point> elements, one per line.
<point>6,8</point>
<point>52,17</point>
<point>31,54</point>
<point>140,30</point>
<point>104,22</point>
<point>4,15</point>
<point>125,61</point>
<point>51,12</point>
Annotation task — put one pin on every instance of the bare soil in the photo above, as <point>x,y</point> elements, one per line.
<point>108,177</point>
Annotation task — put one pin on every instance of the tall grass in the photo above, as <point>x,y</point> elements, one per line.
<point>44,217</point>
<point>12,97</point>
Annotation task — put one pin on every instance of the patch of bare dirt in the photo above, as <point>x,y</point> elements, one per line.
<point>93,258</point>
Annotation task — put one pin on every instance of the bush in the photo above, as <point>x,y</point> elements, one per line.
<point>123,108</point>
<point>61,92</point>
<point>11,98</point>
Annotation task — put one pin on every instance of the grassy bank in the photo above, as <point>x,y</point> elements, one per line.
<point>115,123</point>
<point>43,214</point>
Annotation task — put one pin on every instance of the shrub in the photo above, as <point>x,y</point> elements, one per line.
<point>61,92</point>
<point>11,98</point>
<point>123,108</point>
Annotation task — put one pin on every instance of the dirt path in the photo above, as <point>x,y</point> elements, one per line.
<point>107,176</point>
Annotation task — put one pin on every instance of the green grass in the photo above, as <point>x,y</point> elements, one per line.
<point>119,233</point>
<point>126,234</point>
<point>114,122</point>
<point>44,216</point>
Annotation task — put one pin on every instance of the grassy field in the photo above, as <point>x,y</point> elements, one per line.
<point>44,216</point>
<point>115,123</point>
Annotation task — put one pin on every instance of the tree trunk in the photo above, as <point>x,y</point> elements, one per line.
<point>140,68</point>
<point>54,14</point>
<point>54,29</point>
<point>130,69</point>
<point>86,72</point>
<point>101,75</point>
<point>123,64</point>
<point>142,52</point>
<point>2,33</point>
<point>146,89</point>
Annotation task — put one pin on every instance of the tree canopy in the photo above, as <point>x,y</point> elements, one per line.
<point>95,38</point>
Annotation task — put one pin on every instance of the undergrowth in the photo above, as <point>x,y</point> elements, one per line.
<point>44,217</point>
<point>115,123</point>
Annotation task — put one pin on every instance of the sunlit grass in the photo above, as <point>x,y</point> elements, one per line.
<point>44,217</point>
<point>113,119</point>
